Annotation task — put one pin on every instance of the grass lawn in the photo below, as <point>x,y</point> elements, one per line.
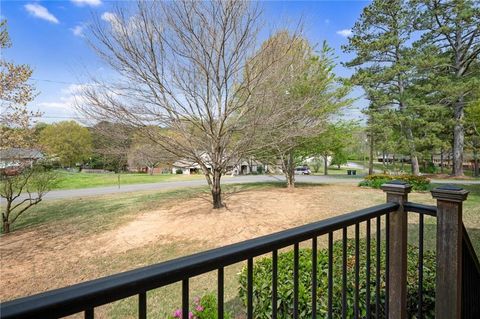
<point>62,242</point>
<point>334,170</point>
<point>75,180</point>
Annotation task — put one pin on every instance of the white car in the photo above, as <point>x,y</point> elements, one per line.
<point>302,171</point>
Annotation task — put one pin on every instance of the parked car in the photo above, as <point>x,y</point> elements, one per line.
<point>302,171</point>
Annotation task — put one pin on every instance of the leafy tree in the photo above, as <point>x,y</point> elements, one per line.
<point>472,125</point>
<point>339,158</point>
<point>70,142</point>
<point>22,187</point>
<point>450,45</point>
<point>15,119</point>
<point>380,42</point>
<point>332,141</point>
<point>24,183</point>
<point>111,143</point>
<point>296,103</point>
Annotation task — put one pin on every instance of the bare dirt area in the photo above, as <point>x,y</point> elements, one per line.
<point>56,255</point>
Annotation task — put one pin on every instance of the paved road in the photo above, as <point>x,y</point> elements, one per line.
<point>86,192</point>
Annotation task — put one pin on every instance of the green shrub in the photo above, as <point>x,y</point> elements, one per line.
<point>260,169</point>
<point>203,308</point>
<point>262,283</point>
<point>418,183</point>
<point>178,171</point>
<point>430,168</point>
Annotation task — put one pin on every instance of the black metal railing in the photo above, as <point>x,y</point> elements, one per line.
<point>422,210</point>
<point>470,279</point>
<point>85,297</point>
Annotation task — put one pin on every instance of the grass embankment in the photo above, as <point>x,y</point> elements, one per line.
<point>84,218</point>
<point>76,180</point>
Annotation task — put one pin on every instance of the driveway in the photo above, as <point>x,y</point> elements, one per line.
<point>331,179</point>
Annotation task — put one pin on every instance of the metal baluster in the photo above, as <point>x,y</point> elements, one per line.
<point>295,281</point>
<point>367,302</point>
<point>377,269</point>
<point>357,269</point>
<point>387,261</point>
<point>344,274</point>
<point>420,267</point>
<point>185,301</point>
<point>142,305</point>
<point>314,277</point>
<point>274,283</point>
<point>250,288</point>
<point>220,293</point>
<point>89,314</point>
<point>330,275</point>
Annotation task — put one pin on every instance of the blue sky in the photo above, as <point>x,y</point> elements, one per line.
<point>47,35</point>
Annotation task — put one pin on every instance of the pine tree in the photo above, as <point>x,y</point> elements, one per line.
<point>450,45</point>
<point>382,63</point>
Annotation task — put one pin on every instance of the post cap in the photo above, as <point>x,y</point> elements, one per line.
<point>396,187</point>
<point>450,193</point>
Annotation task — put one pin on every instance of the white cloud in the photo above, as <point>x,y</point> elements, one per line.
<point>92,3</point>
<point>118,25</point>
<point>40,12</point>
<point>109,17</point>
<point>345,32</point>
<point>69,97</point>
<point>78,30</point>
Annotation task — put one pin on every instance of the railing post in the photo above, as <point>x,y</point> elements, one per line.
<point>397,192</point>
<point>448,288</point>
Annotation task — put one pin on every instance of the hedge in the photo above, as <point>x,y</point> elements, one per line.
<point>418,183</point>
<point>262,284</point>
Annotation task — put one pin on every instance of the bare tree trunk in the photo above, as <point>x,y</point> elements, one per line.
<point>413,156</point>
<point>476,172</point>
<point>415,165</point>
<point>6,227</point>
<point>325,165</point>
<point>290,171</point>
<point>458,139</point>
<point>216,189</point>
<point>441,161</point>
<point>370,161</point>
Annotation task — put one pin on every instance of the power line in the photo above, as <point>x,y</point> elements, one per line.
<point>54,81</point>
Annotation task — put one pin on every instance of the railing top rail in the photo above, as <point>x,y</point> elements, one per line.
<point>69,300</point>
<point>420,208</point>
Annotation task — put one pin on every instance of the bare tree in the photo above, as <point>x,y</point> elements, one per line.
<point>185,66</point>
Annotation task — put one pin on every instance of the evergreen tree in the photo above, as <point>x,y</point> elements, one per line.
<point>450,45</point>
<point>382,63</point>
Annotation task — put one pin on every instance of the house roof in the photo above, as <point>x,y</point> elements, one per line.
<point>20,153</point>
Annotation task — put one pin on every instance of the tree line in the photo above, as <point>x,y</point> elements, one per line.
<point>418,63</point>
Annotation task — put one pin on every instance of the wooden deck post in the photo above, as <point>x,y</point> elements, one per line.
<point>397,192</point>
<point>449,251</point>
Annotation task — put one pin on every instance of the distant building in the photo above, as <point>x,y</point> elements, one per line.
<point>16,157</point>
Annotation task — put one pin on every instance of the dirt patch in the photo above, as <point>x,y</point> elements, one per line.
<point>52,256</point>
